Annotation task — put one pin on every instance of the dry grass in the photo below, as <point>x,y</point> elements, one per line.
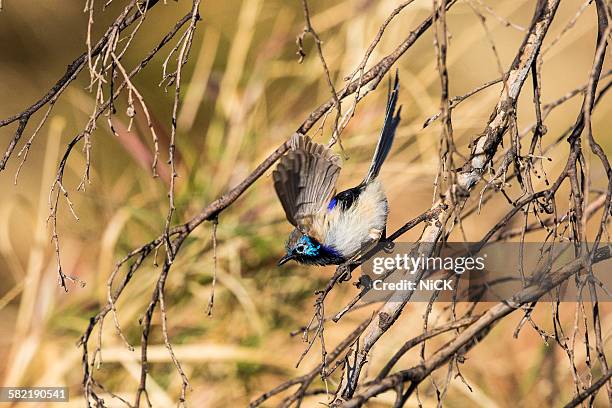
<point>245,94</point>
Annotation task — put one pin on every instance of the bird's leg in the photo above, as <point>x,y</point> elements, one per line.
<point>353,262</point>
<point>346,269</point>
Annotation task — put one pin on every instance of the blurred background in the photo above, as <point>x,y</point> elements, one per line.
<point>244,94</point>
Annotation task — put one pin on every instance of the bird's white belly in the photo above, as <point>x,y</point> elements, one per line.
<point>360,225</point>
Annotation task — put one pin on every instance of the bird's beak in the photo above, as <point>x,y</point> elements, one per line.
<point>285,259</point>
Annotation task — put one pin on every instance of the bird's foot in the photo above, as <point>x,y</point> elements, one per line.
<point>364,283</point>
<point>345,272</point>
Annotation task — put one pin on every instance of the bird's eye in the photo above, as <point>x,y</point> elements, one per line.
<point>300,248</point>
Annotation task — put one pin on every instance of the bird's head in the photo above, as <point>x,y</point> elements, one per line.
<point>305,249</point>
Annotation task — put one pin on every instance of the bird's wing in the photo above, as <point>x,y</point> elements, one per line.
<point>305,180</point>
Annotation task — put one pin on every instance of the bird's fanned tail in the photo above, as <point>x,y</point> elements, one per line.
<point>392,119</point>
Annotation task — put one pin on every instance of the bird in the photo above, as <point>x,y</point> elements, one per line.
<point>330,228</point>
